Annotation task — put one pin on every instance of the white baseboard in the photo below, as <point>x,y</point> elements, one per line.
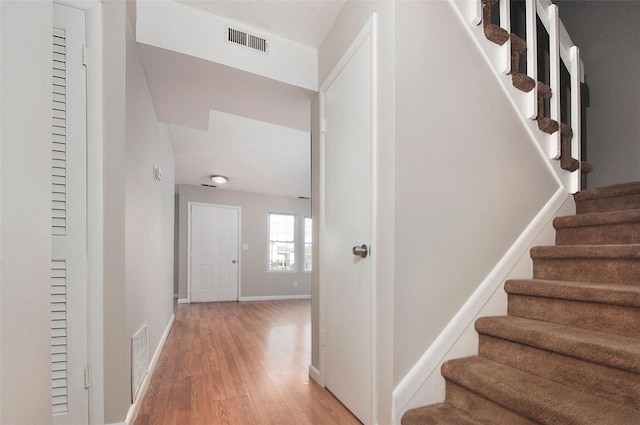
<point>135,407</point>
<point>276,298</point>
<point>444,344</point>
<point>183,301</point>
<point>314,374</point>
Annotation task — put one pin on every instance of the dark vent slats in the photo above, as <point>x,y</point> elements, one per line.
<point>248,40</point>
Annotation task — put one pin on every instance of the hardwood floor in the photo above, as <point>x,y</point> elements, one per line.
<point>239,363</point>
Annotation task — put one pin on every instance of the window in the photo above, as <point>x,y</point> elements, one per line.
<point>282,242</point>
<point>308,246</point>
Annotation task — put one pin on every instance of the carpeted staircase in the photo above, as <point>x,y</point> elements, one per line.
<point>569,350</point>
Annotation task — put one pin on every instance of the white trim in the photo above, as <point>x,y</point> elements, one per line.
<point>184,301</point>
<point>368,30</point>
<point>436,353</point>
<point>314,374</point>
<point>276,298</point>
<point>95,208</point>
<point>321,243</point>
<point>132,414</point>
<point>374,217</point>
<point>189,205</point>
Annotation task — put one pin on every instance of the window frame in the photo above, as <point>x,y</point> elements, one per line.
<point>294,242</point>
<point>305,243</point>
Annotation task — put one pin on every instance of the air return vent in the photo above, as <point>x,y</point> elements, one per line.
<point>139,359</point>
<point>245,39</point>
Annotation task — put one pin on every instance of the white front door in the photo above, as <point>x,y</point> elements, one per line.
<point>214,253</point>
<point>69,272</point>
<point>349,113</point>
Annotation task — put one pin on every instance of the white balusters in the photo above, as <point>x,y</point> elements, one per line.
<point>561,50</point>
<point>575,70</point>
<point>532,57</point>
<point>553,21</point>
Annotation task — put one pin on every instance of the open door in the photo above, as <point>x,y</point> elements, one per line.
<point>348,112</point>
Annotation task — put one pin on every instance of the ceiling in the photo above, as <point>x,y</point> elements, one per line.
<point>252,129</point>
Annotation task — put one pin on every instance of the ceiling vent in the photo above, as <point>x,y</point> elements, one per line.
<point>248,40</point>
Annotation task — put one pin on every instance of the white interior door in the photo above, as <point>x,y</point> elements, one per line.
<point>349,113</point>
<point>69,273</point>
<point>214,253</point>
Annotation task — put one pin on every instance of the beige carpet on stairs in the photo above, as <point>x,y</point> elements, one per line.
<point>569,350</point>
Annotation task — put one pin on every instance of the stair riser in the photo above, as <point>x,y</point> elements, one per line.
<point>604,270</point>
<point>618,203</point>
<point>628,233</point>
<point>613,384</point>
<point>618,320</point>
<point>481,408</point>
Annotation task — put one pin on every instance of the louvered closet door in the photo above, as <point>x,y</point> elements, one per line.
<point>68,220</point>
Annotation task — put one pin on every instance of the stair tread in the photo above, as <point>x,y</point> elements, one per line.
<point>604,293</point>
<point>546,402</point>
<point>597,219</point>
<point>496,34</point>
<point>437,414</point>
<point>547,125</point>
<point>608,191</point>
<point>617,251</point>
<point>607,349</point>
<point>522,82</point>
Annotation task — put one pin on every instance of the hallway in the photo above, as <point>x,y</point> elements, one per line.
<point>239,363</point>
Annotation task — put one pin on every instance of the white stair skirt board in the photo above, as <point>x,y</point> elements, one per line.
<point>409,389</point>
<point>132,414</point>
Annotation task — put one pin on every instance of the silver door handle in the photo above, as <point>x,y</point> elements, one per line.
<point>360,251</point>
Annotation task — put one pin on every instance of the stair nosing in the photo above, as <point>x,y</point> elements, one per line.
<point>543,394</point>
<point>612,191</point>
<point>599,289</point>
<point>605,218</point>
<point>603,350</point>
<point>609,251</point>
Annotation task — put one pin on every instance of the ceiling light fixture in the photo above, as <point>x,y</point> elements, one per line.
<point>219,179</point>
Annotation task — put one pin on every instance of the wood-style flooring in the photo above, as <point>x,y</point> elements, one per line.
<point>239,363</point>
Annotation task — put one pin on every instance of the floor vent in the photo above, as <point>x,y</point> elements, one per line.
<point>139,359</point>
<point>248,40</point>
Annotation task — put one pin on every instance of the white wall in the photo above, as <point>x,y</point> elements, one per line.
<point>149,207</point>
<point>256,281</point>
<point>468,176</point>
<point>178,27</point>
<point>25,244</point>
<point>606,33</point>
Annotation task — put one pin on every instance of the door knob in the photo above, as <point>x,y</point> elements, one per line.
<point>234,261</point>
<point>360,251</point>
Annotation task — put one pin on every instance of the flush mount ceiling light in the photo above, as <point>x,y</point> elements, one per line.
<point>219,179</point>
